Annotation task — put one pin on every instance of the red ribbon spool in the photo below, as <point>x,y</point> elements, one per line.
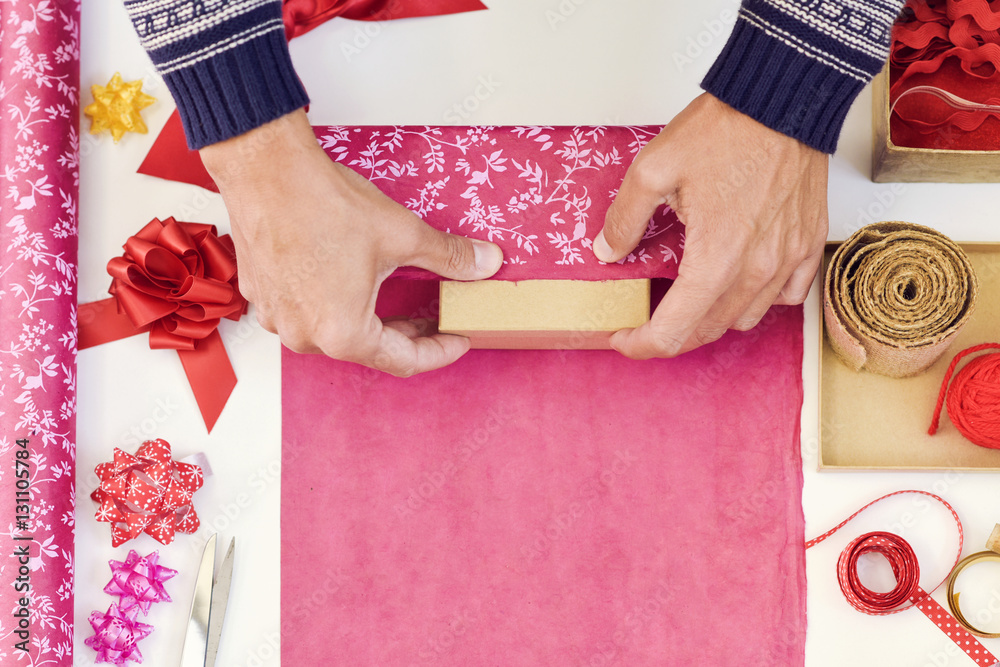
<point>906,569</point>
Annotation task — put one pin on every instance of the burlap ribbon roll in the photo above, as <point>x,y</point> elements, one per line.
<point>895,296</point>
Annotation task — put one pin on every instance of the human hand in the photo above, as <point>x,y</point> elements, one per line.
<point>314,241</point>
<point>754,205</point>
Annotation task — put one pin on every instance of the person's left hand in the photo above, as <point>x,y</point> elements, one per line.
<point>754,205</point>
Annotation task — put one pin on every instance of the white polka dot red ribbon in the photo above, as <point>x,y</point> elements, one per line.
<point>906,570</point>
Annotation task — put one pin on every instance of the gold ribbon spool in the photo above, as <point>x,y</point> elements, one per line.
<point>994,544</point>
<point>895,296</point>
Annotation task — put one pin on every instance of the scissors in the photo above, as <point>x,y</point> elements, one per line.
<point>208,608</point>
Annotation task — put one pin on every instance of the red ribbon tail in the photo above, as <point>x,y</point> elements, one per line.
<point>211,376</point>
<point>171,159</point>
<point>301,17</point>
<point>963,639</point>
<point>100,322</point>
<point>406,10</point>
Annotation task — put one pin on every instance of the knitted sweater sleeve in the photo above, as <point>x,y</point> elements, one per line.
<point>225,62</point>
<point>797,65</point>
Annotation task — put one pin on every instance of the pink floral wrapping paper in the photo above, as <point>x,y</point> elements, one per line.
<point>39,147</point>
<point>541,193</point>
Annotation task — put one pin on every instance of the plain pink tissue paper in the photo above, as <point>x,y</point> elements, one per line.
<point>548,508</point>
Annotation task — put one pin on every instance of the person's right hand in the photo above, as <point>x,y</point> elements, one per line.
<point>314,241</point>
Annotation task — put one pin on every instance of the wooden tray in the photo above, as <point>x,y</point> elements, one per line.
<point>871,422</point>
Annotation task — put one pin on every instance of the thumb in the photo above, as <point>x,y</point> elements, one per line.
<point>627,217</point>
<point>455,257</point>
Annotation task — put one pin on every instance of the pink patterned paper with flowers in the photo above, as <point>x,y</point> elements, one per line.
<point>39,154</point>
<point>541,193</point>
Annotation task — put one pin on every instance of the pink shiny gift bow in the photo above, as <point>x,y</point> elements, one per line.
<point>39,154</point>
<point>906,570</point>
<point>117,635</point>
<point>540,192</point>
<point>138,583</point>
<point>177,281</point>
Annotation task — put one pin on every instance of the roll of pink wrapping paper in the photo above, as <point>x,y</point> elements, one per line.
<point>39,154</point>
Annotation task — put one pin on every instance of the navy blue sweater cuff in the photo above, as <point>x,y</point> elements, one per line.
<point>797,91</point>
<point>236,90</point>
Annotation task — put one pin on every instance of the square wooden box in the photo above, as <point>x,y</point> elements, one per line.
<point>900,164</point>
<point>872,422</point>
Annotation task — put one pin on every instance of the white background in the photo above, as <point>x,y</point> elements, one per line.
<point>546,62</point>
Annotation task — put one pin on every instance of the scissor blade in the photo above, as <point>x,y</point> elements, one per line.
<point>220,600</point>
<point>196,640</point>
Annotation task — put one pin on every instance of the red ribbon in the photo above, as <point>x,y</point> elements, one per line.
<point>176,280</point>
<point>906,570</point>
<point>170,158</point>
<point>953,45</point>
<point>301,16</point>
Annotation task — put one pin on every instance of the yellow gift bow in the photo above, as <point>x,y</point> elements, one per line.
<point>116,107</point>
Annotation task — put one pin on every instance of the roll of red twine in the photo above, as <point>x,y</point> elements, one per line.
<point>974,397</point>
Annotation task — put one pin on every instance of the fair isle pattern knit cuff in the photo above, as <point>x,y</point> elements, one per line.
<point>797,65</point>
<point>225,62</point>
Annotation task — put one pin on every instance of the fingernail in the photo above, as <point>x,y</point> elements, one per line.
<point>601,248</point>
<point>488,257</point>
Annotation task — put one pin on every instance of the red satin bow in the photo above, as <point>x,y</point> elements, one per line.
<point>301,16</point>
<point>169,158</point>
<point>176,280</point>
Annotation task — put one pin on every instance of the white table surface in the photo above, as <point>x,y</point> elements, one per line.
<point>549,62</point>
